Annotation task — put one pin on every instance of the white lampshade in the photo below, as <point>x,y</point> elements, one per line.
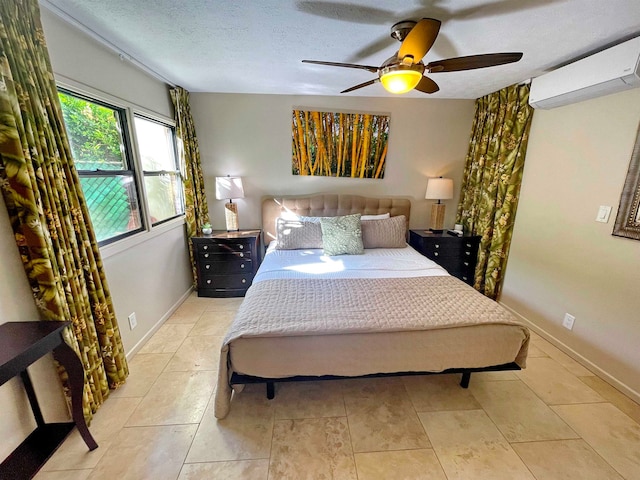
<point>439,189</point>
<point>229,187</point>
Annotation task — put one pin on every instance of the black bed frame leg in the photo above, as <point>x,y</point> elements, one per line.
<point>271,391</point>
<point>466,376</point>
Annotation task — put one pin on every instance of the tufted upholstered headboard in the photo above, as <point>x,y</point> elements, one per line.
<point>328,205</point>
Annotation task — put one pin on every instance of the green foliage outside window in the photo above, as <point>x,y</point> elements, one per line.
<point>96,138</point>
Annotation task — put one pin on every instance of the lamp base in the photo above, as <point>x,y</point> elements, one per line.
<point>437,217</point>
<point>231,216</point>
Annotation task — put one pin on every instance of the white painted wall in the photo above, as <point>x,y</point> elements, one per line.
<point>250,136</point>
<point>561,259</point>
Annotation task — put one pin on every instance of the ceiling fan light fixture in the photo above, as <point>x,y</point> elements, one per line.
<point>400,80</point>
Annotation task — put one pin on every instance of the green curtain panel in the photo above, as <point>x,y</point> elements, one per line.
<point>196,208</point>
<point>46,206</point>
<point>492,179</point>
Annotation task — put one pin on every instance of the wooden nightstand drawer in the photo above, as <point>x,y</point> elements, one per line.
<point>226,262</point>
<point>224,282</point>
<point>458,255</point>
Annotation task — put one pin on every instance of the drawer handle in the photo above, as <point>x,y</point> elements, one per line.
<point>206,255</point>
<point>466,264</point>
<point>468,245</point>
<point>207,266</point>
<point>467,253</point>
<point>206,247</point>
<point>242,265</point>
<point>244,280</point>
<point>437,245</point>
<point>241,254</point>
<point>208,281</point>
<point>240,247</point>
<point>464,278</point>
<point>435,254</point>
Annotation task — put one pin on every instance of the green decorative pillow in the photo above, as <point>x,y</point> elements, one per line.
<point>342,235</point>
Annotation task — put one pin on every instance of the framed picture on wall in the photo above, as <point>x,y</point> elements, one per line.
<point>339,144</point>
<point>628,218</point>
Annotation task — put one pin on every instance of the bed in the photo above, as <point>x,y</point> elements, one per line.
<point>385,311</point>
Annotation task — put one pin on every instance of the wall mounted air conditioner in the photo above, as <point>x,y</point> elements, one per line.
<point>611,70</point>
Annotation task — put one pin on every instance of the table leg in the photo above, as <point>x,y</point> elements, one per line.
<point>72,364</point>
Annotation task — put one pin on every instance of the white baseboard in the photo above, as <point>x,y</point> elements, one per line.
<point>585,362</point>
<point>158,324</point>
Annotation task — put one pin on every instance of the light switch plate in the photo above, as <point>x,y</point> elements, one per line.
<point>603,214</point>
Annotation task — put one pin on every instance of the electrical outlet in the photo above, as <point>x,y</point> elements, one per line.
<point>133,322</point>
<point>568,321</point>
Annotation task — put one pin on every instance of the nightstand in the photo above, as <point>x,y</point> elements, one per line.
<point>226,262</point>
<point>458,255</point>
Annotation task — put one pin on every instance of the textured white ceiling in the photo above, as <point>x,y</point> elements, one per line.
<point>256,46</point>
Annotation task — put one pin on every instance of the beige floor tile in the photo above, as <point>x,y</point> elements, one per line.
<point>554,384</point>
<point>492,376</point>
<point>175,398</point>
<point>244,434</point>
<point>196,353</point>
<point>614,396</point>
<point>381,416</point>
<point>105,426</point>
<point>562,358</point>
<point>470,447</point>
<point>231,303</point>
<point>309,400</point>
<point>144,370</point>
<point>213,323</point>
<point>167,339</point>
<point>434,393</point>
<point>188,312</point>
<point>238,470</point>
<point>611,433</point>
<point>312,448</point>
<point>518,412</point>
<point>64,475</point>
<point>535,351</point>
<point>400,465</point>
<point>146,452</point>
<point>570,459</point>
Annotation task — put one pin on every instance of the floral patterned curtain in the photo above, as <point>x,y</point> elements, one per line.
<point>46,205</point>
<point>492,178</point>
<point>196,208</point>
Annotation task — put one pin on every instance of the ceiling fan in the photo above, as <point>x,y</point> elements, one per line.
<point>405,70</point>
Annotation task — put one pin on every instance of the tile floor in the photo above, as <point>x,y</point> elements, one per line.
<point>553,420</point>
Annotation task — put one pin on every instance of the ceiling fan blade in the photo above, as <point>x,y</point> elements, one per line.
<point>473,61</point>
<point>420,39</point>
<point>426,85</point>
<point>368,68</point>
<point>365,84</point>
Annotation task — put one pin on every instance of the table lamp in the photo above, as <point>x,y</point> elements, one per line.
<point>230,187</point>
<point>438,189</point>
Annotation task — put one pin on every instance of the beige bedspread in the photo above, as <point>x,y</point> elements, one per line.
<point>301,307</point>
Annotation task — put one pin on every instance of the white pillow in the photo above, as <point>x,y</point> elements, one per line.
<point>381,216</point>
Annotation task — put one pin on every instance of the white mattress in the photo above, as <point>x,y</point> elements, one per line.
<point>374,263</point>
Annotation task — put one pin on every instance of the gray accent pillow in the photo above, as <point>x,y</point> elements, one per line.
<point>292,234</point>
<point>387,233</point>
<point>342,235</point>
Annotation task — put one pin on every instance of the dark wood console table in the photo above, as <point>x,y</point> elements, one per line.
<point>21,344</point>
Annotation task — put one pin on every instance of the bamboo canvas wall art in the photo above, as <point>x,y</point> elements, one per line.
<point>339,144</point>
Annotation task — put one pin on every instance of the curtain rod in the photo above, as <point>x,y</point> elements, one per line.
<point>103,41</point>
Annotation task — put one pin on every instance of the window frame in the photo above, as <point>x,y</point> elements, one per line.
<point>128,111</point>
<point>178,172</point>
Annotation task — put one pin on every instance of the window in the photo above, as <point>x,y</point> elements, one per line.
<point>99,144</point>
<point>122,188</point>
<point>162,180</point>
